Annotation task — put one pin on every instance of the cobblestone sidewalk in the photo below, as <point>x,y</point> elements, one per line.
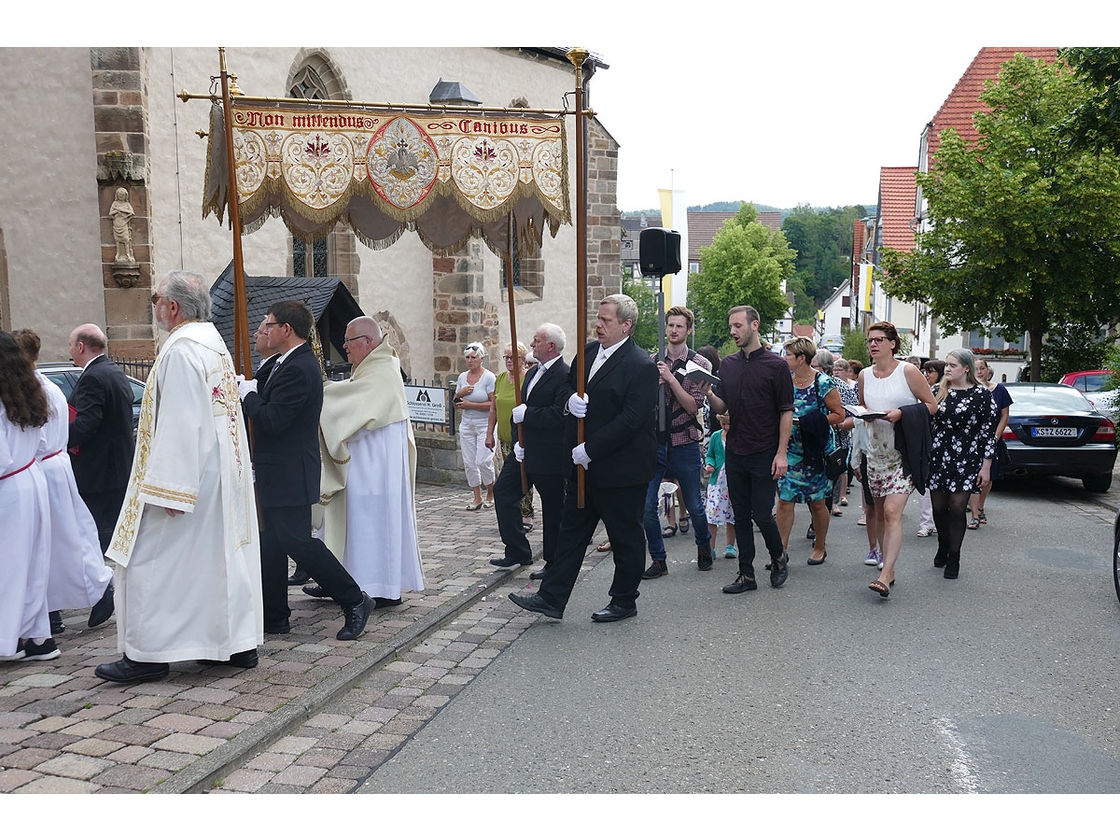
<point>63,730</point>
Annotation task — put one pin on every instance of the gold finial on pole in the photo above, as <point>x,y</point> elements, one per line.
<point>577,55</point>
<point>201,134</point>
<point>184,95</point>
<point>234,90</point>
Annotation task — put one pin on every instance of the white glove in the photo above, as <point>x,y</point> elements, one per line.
<point>519,413</point>
<point>579,455</point>
<point>577,405</point>
<point>246,386</point>
<point>519,452</point>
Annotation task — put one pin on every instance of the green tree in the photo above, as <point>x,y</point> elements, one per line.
<point>745,265</point>
<point>645,331</point>
<point>823,242</point>
<point>855,346</point>
<point>1025,234</point>
<point>1095,122</point>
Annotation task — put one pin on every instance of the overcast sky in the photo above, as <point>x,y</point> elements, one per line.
<point>781,102</point>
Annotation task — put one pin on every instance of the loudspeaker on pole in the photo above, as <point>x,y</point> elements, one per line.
<point>659,252</point>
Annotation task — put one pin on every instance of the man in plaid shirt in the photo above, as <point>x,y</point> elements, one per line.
<point>678,450</point>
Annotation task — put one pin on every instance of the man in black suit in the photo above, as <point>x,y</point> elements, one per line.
<point>285,420</point>
<point>268,359</point>
<point>100,438</point>
<point>540,417</point>
<point>619,453</point>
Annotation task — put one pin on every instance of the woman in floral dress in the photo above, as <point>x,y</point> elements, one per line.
<point>806,480</point>
<point>961,454</point>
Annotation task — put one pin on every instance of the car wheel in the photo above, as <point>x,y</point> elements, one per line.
<point>1116,557</point>
<point>1097,483</point>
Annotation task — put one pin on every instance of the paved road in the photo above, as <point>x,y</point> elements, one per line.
<point>1006,680</point>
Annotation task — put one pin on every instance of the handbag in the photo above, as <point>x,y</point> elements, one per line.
<point>836,461</point>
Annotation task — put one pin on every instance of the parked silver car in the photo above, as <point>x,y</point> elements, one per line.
<point>65,376</point>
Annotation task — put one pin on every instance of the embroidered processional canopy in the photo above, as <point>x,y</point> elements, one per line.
<point>447,176</point>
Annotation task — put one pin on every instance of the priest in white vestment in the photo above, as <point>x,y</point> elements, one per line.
<point>368,481</point>
<point>186,543</point>
<point>25,525</point>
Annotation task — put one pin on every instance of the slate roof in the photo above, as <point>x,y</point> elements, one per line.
<point>330,301</point>
<point>897,191</point>
<point>964,100</point>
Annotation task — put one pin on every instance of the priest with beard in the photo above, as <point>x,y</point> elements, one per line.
<point>186,542</point>
<point>368,482</point>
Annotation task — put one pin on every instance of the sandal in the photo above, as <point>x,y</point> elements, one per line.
<point>884,589</point>
<point>669,531</point>
<point>684,524</point>
<point>605,546</point>
<point>974,524</point>
<point>981,518</point>
<point>843,501</point>
<point>813,562</point>
<point>474,505</point>
<point>526,527</point>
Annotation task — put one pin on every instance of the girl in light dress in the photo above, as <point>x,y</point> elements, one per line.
<point>717,506</point>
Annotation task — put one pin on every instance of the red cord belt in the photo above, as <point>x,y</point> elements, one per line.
<point>17,472</point>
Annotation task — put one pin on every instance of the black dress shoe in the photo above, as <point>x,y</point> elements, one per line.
<point>742,583</point>
<point>939,561</point>
<point>315,591</point>
<point>381,603</point>
<point>356,617</point>
<point>779,570</point>
<point>299,578</point>
<point>103,609</point>
<point>506,563</point>
<point>614,612</point>
<point>278,628</point>
<point>124,670</point>
<point>704,557</point>
<point>657,568</point>
<point>242,659</point>
<point>56,622</point>
<point>537,575</point>
<point>535,603</point>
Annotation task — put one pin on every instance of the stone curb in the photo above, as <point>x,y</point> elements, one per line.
<point>198,776</point>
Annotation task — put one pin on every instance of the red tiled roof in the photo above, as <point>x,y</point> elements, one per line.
<point>703,225</point>
<point>897,192</point>
<point>964,100</point>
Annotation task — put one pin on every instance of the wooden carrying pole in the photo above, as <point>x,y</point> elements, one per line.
<point>513,342</point>
<point>578,56</point>
<point>242,359</point>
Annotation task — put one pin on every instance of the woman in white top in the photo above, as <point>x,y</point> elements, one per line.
<point>887,385</point>
<point>474,397</point>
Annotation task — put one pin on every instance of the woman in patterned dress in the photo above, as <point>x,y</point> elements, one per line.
<point>805,480</point>
<point>887,385</point>
<point>961,455</point>
<point>1001,401</point>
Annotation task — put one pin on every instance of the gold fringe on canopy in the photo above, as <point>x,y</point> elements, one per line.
<point>448,177</point>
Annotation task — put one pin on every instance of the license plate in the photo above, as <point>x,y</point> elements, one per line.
<point>1055,431</point>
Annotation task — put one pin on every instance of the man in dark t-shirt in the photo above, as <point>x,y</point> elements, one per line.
<point>756,390</point>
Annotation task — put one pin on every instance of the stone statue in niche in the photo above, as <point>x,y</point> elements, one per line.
<point>121,213</point>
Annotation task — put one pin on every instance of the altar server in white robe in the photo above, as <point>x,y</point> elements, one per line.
<point>79,578</point>
<point>24,512</point>
<point>368,479</point>
<point>186,542</point>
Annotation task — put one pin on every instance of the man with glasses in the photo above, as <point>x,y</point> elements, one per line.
<point>368,481</point>
<point>756,389</point>
<point>285,413</point>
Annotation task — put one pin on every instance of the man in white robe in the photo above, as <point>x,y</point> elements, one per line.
<point>79,578</point>
<point>25,525</point>
<point>368,482</point>
<point>186,542</point>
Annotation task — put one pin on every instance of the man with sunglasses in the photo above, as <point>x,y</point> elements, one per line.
<point>284,412</point>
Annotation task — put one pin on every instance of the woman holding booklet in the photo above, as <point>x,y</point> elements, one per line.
<point>886,388</point>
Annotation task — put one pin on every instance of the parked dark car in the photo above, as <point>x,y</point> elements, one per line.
<point>1116,555</point>
<point>65,376</point>
<point>1053,430</point>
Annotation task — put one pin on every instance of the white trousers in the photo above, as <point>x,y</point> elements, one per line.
<point>478,461</point>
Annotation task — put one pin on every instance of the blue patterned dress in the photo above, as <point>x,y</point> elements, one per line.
<point>805,482</point>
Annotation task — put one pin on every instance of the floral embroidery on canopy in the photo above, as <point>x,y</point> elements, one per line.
<point>448,177</point>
